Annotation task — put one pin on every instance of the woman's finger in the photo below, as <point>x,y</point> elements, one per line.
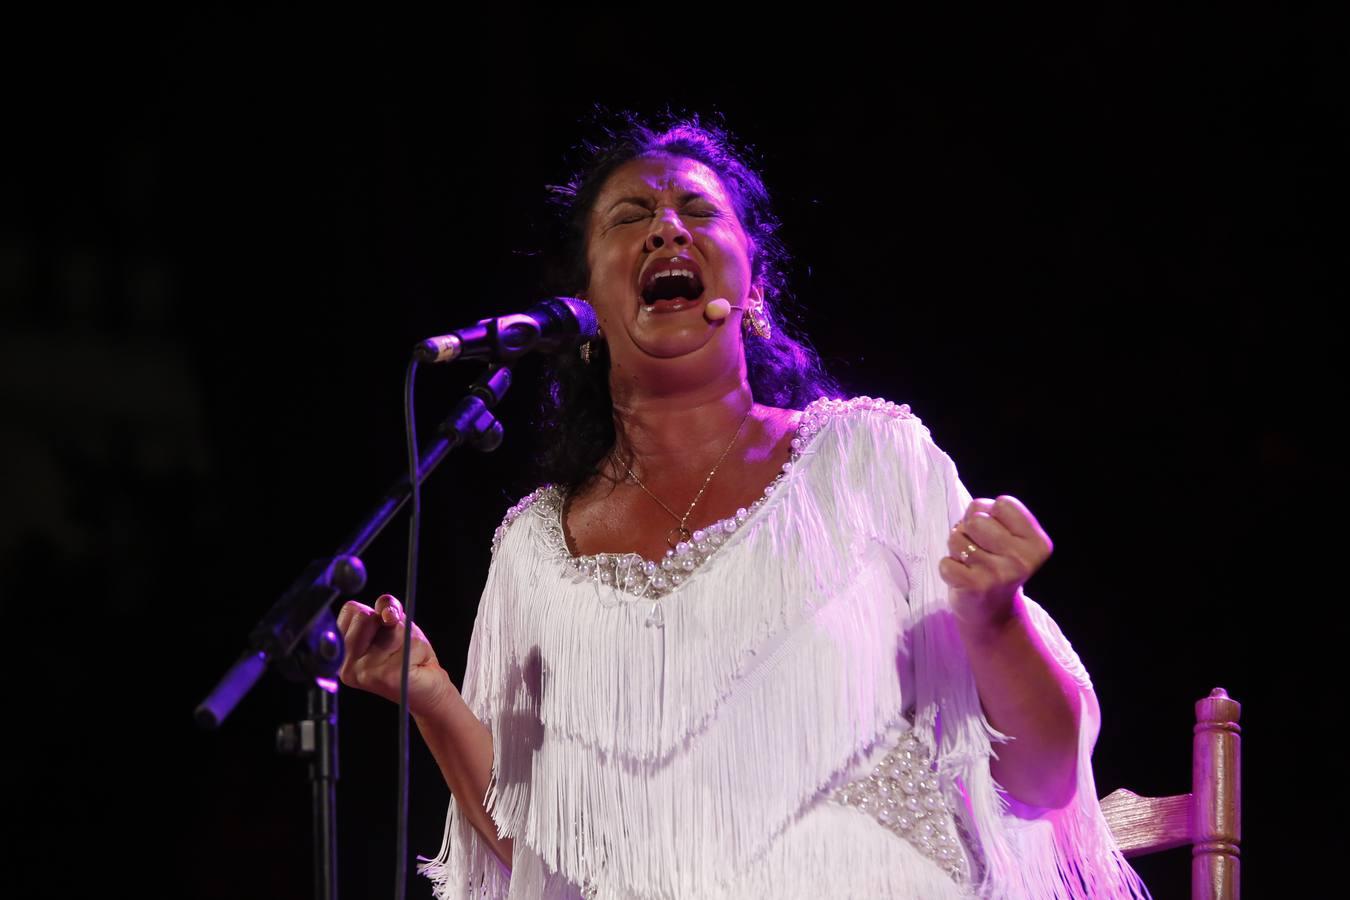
<point>389,613</point>
<point>1014,515</point>
<point>360,631</point>
<point>389,609</point>
<point>956,574</point>
<point>346,614</point>
<point>977,526</point>
<point>989,534</point>
<point>978,505</point>
<point>963,548</point>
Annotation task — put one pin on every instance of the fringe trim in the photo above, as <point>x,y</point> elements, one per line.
<point>810,861</point>
<point>465,869</point>
<point>647,756</point>
<point>1069,852</point>
<point>819,696</point>
<point>789,560</point>
<point>1066,854</point>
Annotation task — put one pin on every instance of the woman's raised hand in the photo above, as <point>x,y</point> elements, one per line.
<point>374,642</point>
<point>994,549</point>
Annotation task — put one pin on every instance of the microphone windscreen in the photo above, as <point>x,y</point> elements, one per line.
<point>588,327</point>
<point>717,310</point>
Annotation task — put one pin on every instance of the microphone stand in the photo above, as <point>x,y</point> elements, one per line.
<point>299,635</point>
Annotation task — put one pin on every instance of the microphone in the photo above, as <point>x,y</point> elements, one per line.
<point>549,326</point>
<point>719,309</point>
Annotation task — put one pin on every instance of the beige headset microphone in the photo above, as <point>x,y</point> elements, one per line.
<point>719,309</point>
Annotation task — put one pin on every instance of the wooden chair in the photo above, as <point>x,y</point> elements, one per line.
<point>1209,818</point>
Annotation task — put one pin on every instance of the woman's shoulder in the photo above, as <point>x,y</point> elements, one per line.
<point>870,446</point>
<point>542,500</point>
<point>857,408</point>
<point>873,418</point>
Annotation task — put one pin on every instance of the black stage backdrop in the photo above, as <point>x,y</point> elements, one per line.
<point>1088,251</point>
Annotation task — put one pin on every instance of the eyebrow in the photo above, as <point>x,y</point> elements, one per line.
<point>645,203</point>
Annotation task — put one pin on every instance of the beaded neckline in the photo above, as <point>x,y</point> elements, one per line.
<point>648,579</point>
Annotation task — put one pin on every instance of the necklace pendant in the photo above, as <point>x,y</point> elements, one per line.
<point>677,534</point>
<point>655,617</point>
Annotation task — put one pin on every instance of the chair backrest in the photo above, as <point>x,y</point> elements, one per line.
<point>1209,818</point>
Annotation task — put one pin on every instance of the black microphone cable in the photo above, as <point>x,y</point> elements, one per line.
<point>410,606</point>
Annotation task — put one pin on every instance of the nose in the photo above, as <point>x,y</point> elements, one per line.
<point>667,228</point>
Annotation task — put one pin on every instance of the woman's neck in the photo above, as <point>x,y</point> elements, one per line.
<point>681,430</point>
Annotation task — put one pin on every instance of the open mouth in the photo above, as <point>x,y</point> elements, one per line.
<point>671,281</point>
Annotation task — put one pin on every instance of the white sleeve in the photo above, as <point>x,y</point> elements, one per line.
<point>1028,852</point>
<point>465,867</point>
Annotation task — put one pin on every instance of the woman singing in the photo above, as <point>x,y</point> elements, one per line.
<point>749,642</point>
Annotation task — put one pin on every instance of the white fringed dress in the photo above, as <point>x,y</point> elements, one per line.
<point>780,709</point>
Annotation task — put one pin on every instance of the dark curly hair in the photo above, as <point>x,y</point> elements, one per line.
<point>577,419</point>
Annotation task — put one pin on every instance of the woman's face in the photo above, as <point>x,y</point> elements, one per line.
<point>662,241</point>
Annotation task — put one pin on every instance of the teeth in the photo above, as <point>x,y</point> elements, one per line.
<point>649,289</point>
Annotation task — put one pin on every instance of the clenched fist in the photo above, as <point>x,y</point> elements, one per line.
<point>995,548</point>
<point>374,640</point>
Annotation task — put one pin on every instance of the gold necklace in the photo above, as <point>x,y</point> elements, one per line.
<point>680,532</point>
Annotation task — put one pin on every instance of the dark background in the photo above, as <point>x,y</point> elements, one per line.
<point>1091,252</point>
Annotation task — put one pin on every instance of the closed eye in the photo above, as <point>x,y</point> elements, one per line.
<point>632,216</point>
